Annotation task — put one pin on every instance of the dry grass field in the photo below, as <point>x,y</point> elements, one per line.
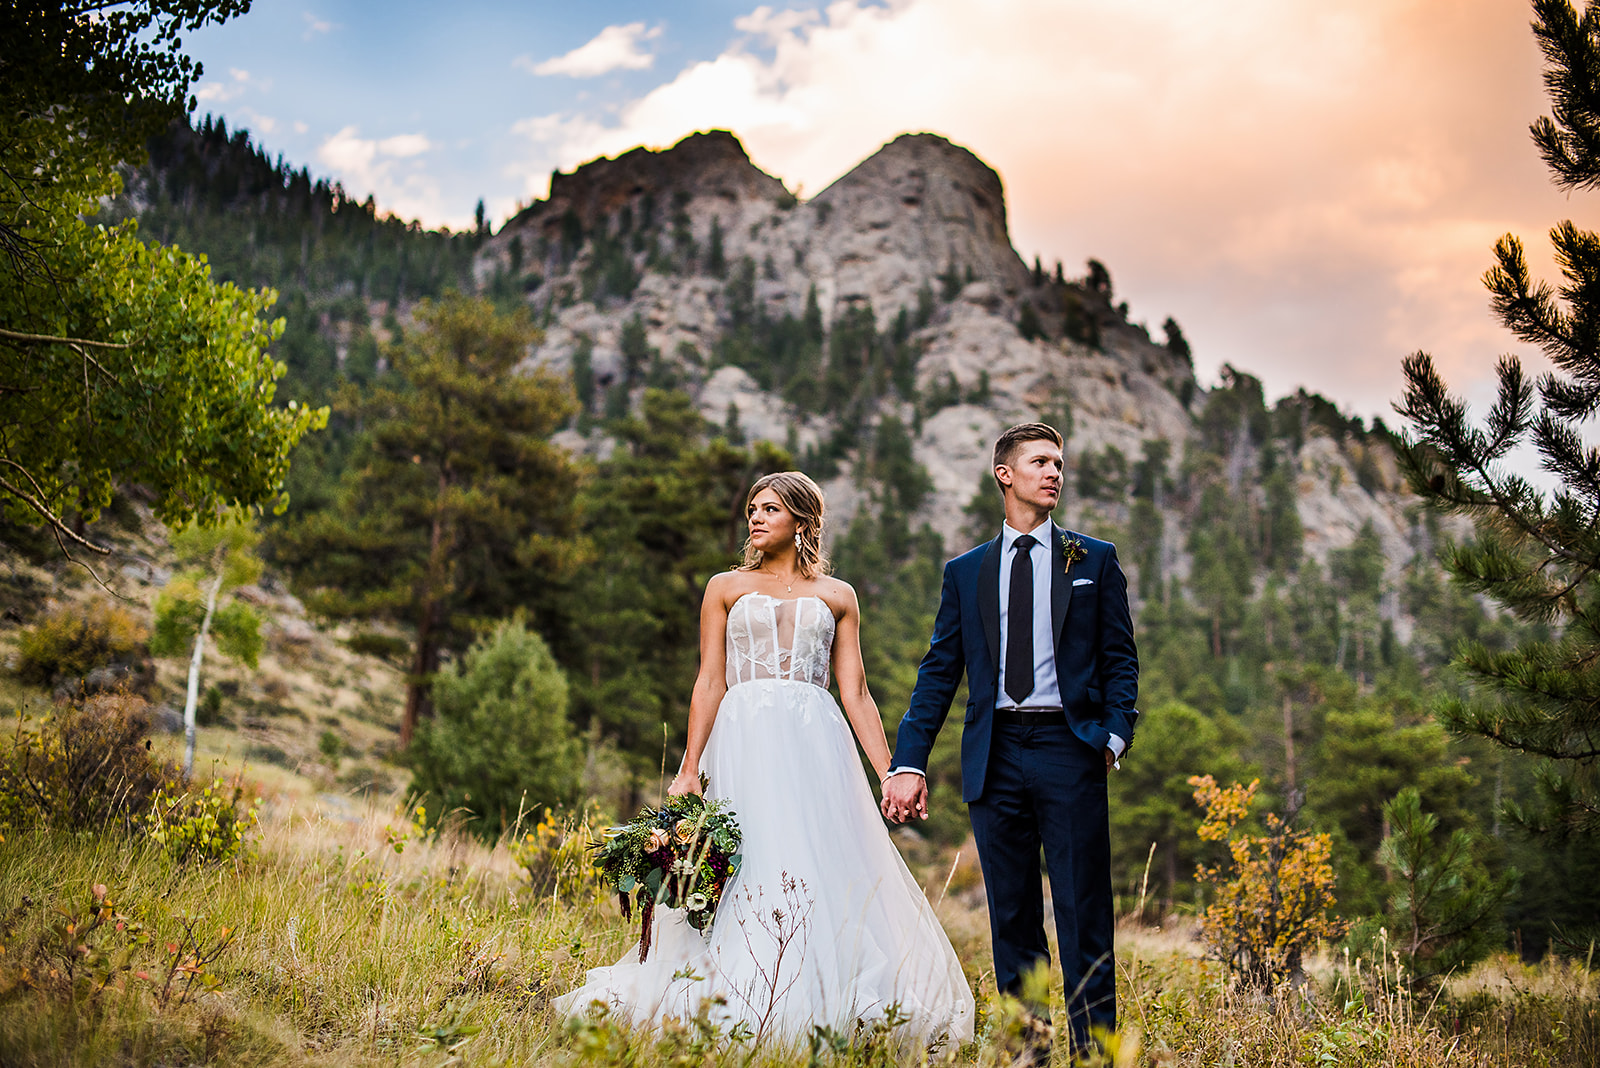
<point>328,945</point>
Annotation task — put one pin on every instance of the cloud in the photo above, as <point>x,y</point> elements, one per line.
<point>315,26</point>
<point>614,48</point>
<point>403,145</point>
<point>257,122</point>
<point>220,92</point>
<point>388,169</point>
<point>1312,191</point>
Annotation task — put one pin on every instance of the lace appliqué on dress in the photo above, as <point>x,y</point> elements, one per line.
<point>773,638</point>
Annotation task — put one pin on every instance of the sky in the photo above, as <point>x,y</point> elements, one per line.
<point>1312,190</point>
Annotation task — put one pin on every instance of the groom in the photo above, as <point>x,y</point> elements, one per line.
<point>1038,619</point>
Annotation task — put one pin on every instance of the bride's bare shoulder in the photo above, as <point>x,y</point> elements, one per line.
<point>838,594</point>
<point>728,586</point>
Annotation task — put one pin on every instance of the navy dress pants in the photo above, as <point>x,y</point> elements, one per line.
<point>1046,787</point>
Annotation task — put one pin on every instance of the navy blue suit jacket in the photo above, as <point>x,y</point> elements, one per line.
<point>1097,664</point>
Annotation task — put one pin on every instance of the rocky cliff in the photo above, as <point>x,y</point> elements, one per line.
<point>917,234</point>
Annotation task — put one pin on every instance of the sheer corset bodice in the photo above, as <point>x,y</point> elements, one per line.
<point>773,638</point>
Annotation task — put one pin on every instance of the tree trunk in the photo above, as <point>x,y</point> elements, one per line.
<point>426,658</point>
<point>191,700</point>
<point>418,681</point>
<point>1288,745</point>
<point>1172,876</point>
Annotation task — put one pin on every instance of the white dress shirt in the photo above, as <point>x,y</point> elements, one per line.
<point>1046,690</point>
<point>1046,687</point>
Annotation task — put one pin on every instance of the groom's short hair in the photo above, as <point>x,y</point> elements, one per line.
<point>1007,444</point>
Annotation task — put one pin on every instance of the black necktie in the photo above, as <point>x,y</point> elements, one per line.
<point>1019,623</point>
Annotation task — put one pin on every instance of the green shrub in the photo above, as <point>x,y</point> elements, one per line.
<point>207,826</point>
<point>85,766</point>
<point>332,747</point>
<point>557,858</point>
<point>267,753</point>
<point>209,713</point>
<point>499,742</point>
<point>71,641</point>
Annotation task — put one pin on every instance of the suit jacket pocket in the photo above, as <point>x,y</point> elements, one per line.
<point>972,713</point>
<point>1095,697</point>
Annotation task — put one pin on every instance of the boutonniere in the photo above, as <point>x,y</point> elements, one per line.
<point>1072,551</point>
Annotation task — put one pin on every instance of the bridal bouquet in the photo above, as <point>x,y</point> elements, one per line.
<point>680,855</point>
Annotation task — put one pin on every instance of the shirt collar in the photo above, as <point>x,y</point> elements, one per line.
<point>1009,535</point>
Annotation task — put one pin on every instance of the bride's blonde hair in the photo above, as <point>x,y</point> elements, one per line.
<point>803,498</point>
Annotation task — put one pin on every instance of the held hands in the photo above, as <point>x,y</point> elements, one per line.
<point>903,795</point>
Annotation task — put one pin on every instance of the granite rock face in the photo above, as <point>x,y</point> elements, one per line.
<point>917,207</point>
<point>917,233</point>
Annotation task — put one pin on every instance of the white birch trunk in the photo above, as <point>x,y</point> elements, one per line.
<point>192,701</point>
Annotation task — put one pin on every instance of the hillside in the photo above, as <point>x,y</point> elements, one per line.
<point>893,293</point>
<point>757,303</point>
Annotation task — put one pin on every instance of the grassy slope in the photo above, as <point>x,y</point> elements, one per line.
<point>273,717</point>
<point>350,953</point>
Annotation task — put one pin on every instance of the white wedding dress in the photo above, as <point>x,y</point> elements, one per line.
<point>823,923</point>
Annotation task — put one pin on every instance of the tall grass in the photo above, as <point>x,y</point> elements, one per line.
<point>343,951</point>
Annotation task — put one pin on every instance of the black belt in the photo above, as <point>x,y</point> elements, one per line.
<point>1030,717</point>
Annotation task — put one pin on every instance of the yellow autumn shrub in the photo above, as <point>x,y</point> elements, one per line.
<point>1272,897</point>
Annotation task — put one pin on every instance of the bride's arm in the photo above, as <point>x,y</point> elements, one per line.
<point>851,675</point>
<point>709,686</point>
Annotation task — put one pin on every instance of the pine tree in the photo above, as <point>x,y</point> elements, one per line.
<point>1443,912</point>
<point>1152,801</point>
<point>1099,279</point>
<point>716,258</point>
<point>1535,555</point>
<point>1028,324</point>
<point>1177,344</point>
<point>663,513</point>
<point>455,506</point>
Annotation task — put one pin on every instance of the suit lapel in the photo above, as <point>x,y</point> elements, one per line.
<point>989,599</point>
<point>1060,585</point>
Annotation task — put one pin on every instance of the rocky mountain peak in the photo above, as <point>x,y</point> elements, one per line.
<point>692,266</point>
<point>918,207</point>
<point>646,182</point>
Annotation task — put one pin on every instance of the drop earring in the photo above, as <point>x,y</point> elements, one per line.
<point>790,588</point>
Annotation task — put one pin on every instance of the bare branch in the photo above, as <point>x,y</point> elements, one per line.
<point>48,339</point>
<point>98,581</point>
<point>55,521</point>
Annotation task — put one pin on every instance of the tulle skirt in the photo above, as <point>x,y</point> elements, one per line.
<point>823,924</point>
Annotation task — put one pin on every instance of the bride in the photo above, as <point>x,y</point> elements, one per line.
<point>823,924</point>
